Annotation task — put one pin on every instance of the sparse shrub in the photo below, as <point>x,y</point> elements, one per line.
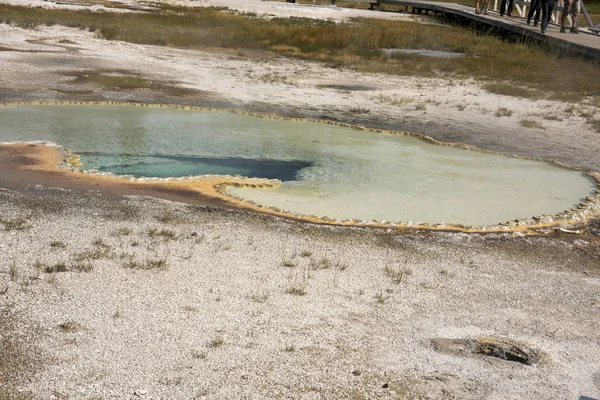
<point>306,253</point>
<point>57,244</point>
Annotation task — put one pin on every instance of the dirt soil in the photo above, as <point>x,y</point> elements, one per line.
<point>106,293</point>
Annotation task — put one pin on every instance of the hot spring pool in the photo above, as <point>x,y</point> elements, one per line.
<point>327,170</point>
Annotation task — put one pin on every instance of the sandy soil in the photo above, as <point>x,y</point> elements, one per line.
<point>176,301</point>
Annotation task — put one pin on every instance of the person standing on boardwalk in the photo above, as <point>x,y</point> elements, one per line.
<point>547,7</point>
<point>534,11</point>
<point>486,6</point>
<point>574,5</point>
<point>503,8</point>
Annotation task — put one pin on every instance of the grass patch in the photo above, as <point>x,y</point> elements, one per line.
<point>380,298</point>
<point>529,123</point>
<point>398,275</point>
<point>286,262</point>
<point>290,348</point>
<point>165,234</point>
<point>71,327</point>
<point>146,265</point>
<point>57,244</point>
<point>124,231</point>
<point>360,110</point>
<point>595,124</point>
<point>92,254</point>
<point>306,253</point>
<point>503,112</point>
<point>58,267</point>
<point>166,217</point>
<point>199,355</point>
<point>16,224</point>
<point>507,89</point>
<point>296,289</point>
<point>81,267</point>
<point>356,44</point>
<point>216,342</point>
<point>13,271</point>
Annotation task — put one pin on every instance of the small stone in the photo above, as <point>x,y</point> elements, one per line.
<point>140,392</point>
<point>194,234</point>
<point>385,386</point>
<point>356,373</point>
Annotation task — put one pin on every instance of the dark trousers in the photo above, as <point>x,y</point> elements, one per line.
<point>547,7</point>
<point>503,7</point>
<point>536,8</point>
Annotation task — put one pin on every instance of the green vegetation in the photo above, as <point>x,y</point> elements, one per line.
<point>512,90</point>
<point>355,44</point>
<point>150,263</point>
<point>216,342</point>
<point>529,123</point>
<point>380,298</point>
<point>71,327</point>
<point>166,234</point>
<point>13,270</point>
<point>16,224</point>
<point>398,275</point>
<point>503,112</point>
<point>290,348</point>
<point>57,244</point>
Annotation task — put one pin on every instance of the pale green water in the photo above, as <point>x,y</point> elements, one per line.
<point>340,173</point>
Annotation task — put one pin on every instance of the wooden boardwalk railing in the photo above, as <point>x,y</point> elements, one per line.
<point>586,44</point>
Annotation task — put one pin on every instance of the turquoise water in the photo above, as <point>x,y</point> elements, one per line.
<point>326,170</point>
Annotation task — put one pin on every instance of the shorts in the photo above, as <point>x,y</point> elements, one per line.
<point>575,6</point>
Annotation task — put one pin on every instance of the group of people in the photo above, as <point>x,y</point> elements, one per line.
<point>545,7</point>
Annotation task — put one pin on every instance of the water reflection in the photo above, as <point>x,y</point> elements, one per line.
<point>327,170</point>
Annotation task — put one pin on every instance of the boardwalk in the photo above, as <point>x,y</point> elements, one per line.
<point>585,44</point>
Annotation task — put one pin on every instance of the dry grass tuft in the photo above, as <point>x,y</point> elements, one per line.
<point>398,275</point>
<point>71,327</point>
<point>529,123</point>
<point>356,44</point>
